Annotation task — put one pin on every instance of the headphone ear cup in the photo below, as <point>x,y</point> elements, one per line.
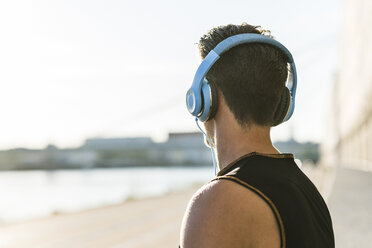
<point>209,101</point>
<point>214,101</point>
<point>206,101</point>
<point>283,107</point>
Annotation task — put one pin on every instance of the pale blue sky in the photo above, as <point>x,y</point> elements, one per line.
<point>76,69</point>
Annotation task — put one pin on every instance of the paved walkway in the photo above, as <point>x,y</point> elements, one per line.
<point>350,204</point>
<point>156,222</point>
<point>146,223</point>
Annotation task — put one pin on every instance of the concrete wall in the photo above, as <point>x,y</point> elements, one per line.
<point>348,139</point>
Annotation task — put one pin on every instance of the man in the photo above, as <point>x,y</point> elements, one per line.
<point>260,198</point>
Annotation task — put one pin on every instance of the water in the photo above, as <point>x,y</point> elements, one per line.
<point>33,194</point>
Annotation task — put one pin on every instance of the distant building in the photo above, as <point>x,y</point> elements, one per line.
<point>117,143</point>
<point>308,151</point>
<point>186,147</point>
<point>348,139</point>
<point>181,149</point>
<point>186,139</point>
<point>75,158</point>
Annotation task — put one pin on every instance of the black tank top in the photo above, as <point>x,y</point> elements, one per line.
<point>300,211</point>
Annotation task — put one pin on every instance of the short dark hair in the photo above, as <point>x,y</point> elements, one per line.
<point>250,76</point>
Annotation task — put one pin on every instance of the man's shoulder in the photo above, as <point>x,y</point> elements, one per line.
<point>220,193</point>
<point>225,214</point>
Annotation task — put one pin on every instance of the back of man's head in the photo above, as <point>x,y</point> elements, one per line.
<point>250,76</point>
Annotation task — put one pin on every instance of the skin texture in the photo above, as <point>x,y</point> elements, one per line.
<point>224,213</point>
<point>231,140</point>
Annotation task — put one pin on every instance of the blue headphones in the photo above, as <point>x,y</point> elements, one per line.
<point>201,98</point>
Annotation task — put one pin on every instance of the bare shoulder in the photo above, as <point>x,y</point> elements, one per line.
<point>224,213</point>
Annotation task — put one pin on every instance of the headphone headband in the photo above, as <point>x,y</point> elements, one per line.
<point>194,97</point>
<point>240,39</point>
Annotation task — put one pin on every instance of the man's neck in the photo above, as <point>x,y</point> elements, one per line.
<point>234,141</point>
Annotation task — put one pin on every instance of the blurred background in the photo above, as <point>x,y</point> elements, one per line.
<point>97,148</point>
